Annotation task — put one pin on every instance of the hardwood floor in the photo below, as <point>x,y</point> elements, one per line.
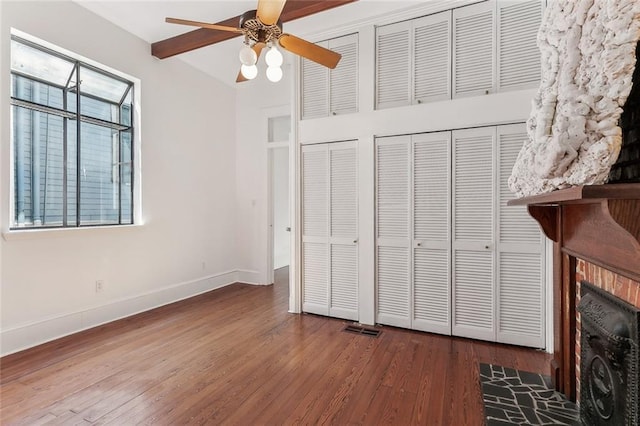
<point>235,356</point>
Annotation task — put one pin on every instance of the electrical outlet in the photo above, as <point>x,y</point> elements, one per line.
<point>99,286</point>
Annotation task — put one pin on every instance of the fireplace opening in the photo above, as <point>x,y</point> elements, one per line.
<point>609,359</point>
<point>627,167</point>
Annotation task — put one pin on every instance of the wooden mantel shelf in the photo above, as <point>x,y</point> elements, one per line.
<point>598,223</point>
<point>582,194</point>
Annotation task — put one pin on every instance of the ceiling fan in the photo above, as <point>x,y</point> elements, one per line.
<point>263,28</point>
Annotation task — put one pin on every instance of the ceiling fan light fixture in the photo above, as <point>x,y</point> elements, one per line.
<point>274,58</point>
<point>247,55</point>
<point>274,74</point>
<point>249,71</point>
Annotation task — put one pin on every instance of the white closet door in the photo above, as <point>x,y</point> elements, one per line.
<point>518,58</point>
<point>520,250</point>
<point>315,88</point>
<point>432,57</point>
<point>344,230</point>
<point>393,275</point>
<point>393,65</point>
<point>473,49</point>
<point>431,232</point>
<point>315,225</point>
<point>473,232</point>
<point>343,80</point>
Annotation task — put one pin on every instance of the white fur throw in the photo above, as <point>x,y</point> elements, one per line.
<point>588,59</point>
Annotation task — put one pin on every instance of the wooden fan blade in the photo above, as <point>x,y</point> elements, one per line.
<point>256,48</point>
<point>311,51</point>
<point>202,25</point>
<point>269,11</point>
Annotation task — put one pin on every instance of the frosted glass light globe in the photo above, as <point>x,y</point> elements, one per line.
<point>274,74</point>
<point>248,56</point>
<point>249,71</point>
<point>274,58</point>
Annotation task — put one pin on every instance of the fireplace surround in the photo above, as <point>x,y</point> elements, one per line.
<point>596,233</point>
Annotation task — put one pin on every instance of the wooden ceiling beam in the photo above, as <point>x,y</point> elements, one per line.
<point>202,37</point>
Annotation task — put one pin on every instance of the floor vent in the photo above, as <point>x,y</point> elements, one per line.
<point>357,329</point>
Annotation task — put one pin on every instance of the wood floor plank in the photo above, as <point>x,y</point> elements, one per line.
<point>235,356</point>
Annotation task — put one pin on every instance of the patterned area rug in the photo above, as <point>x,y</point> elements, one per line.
<point>513,397</point>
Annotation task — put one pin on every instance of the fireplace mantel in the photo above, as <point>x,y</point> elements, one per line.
<point>599,224</point>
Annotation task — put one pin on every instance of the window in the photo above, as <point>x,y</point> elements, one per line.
<point>72,140</point>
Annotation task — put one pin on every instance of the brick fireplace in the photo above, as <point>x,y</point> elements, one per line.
<point>596,234</point>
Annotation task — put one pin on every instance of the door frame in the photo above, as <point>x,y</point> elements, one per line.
<point>269,113</point>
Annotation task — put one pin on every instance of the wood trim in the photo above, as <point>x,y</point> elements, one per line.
<point>547,217</point>
<point>202,37</point>
<point>577,194</point>
<point>569,326</point>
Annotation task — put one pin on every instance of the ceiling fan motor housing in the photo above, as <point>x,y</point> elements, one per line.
<point>257,31</point>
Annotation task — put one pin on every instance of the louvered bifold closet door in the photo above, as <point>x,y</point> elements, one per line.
<point>343,80</point>
<point>343,287</point>
<point>518,58</point>
<point>432,58</point>
<point>473,296</point>
<point>393,274</point>
<point>520,247</point>
<point>315,225</point>
<point>315,88</point>
<point>431,232</point>
<point>473,50</point>
<point>393,65</point>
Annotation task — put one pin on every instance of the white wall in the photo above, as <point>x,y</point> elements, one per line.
<point>187,243</point>
<point>255,102</point>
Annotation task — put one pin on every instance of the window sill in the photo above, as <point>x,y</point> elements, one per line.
<point>34,233</point>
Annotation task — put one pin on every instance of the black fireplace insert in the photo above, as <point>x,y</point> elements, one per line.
<point>609,385</point>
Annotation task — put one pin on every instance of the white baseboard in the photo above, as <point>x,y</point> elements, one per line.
<point>26,336</point>
<point>250,277</point>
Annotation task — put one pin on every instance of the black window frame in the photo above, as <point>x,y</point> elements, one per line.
<point>69,117</point>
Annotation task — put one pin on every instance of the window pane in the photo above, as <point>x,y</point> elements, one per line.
<point>126,178</point>
<point>99,109</point>
<point>101,85</point>
<point>38,173</point>
<point>33,91</point>
<point>279,128</point>
<point>42,65</point>
<point>99,189</point>
<point>72,176</point>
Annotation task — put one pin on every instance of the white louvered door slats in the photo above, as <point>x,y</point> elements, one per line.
<point>343,80</point>
<point>315,88</point>
<point>315,191</point>
<point>432,57</point>
<point>520,300</point>
<point>431,232</point>
<point>315,224</point>
<point>393,65</point>
<point>516,226</point>
<point>473,224</point>
<point>344,230</point>
<point>473,49</point>
<point>315,278</point>
<point>392,231</point>
<point>518,24</point>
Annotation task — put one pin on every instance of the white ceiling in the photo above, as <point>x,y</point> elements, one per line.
<point>145,19</point>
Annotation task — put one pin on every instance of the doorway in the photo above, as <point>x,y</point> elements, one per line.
<point>279,197</point>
